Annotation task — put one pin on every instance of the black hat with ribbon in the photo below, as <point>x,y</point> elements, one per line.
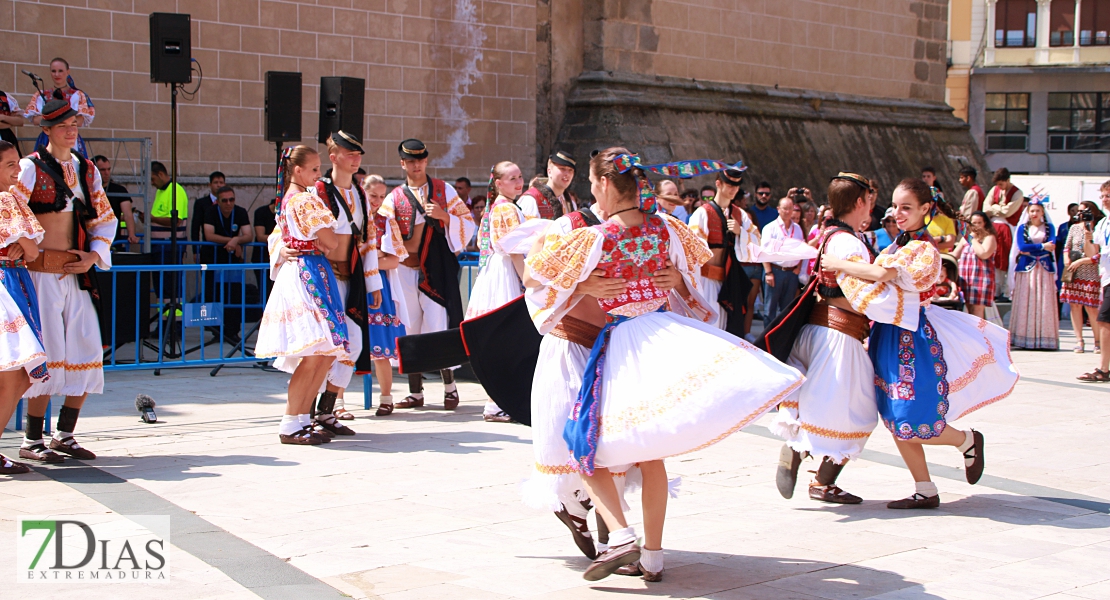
<point>412,149</point>
<point>731,176</point>
<point>347,141</point>
<point>563,159</point>
<point>56,111</point>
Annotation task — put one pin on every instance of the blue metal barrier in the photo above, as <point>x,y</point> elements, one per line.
<point>177,338</point>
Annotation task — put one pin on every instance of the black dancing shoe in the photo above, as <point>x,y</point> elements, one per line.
<point>786,476</point>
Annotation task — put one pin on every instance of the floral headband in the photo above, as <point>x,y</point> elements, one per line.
<point>682,169</point>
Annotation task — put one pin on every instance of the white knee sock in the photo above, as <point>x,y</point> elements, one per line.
<point>926,488</point>
<point>651,560</point>
<point>577,510</point>
<point>621,537</point>
<point>290,424</point>
<point>305,420</point>
<point>61,436</point>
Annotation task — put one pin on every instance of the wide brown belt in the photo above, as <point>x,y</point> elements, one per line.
<point>52,261</point>
<point>845,321</point>
<point>341,268</point>
<point>713,273</point>
<point>577,331</point>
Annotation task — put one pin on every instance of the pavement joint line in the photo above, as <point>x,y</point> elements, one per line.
<point>1021,488</point>
<point>257,570</point>
<point>1086,387</point>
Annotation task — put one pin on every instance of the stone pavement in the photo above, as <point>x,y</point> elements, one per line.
<point>425,504</point>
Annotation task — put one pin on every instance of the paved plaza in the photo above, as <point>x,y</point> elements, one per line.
<point>425,504</point>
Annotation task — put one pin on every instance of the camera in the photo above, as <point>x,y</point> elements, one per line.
<point>800,195</point>
<point>1086,216</point>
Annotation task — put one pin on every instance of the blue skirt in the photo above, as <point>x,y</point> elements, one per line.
<point>911,379</point>
<point>384,327</point>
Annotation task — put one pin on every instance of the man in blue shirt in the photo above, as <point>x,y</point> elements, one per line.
<point>764,210</point>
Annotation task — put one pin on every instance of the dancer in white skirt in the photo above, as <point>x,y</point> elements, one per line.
<point>66,194</point>
<point>303,326</point>
<point>931,365</point>
<point>22,356</point>
<point>628,410</point>
<point>499,272</point>
<point>833,427</point>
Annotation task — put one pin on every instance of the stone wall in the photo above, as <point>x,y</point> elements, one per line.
<point>881,48</point>
<point>460,74</point>
<point>787,137</point>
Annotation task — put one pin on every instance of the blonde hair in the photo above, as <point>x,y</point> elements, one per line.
<point>497,172</point>
<point>370,180</point>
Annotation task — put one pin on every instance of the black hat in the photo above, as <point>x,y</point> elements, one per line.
<point>56,111</point>
<point>563,159</point>
<point>348,141</point>
<point>859,180</point>
<point>731,176</point>
<point>412,148</point>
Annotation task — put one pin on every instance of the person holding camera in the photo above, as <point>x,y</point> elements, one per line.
<point>780,279</point>
<point>1080,289</point>
<point>1097,244</point>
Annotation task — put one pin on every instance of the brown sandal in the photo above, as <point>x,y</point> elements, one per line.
<point>343,415</point>
<point>410,402</point>
<point>384,410</point>
<point>1096,376</point>
<point>301,437</point>
<point>451,400</point>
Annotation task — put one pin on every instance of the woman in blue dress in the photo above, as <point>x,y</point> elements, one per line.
<point>932,365</point>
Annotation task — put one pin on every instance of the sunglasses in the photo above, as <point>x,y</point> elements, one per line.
<point>763,193</point>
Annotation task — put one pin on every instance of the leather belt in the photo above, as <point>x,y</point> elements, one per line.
<point>341,268</point>
<point>713,273</point>
<point>52,261</point>
<point>845,321</point>
<point>577,331</point>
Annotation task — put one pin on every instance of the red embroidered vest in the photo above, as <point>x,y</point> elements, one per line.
<point>1016,217</point>
<point>547,211</point>
<point>44,194</point>
<point>405,212</point>
<point>716,237</point>
<point>634,253</point>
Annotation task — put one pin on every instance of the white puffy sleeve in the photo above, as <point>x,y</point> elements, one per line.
<point>102,227</point>
<point>460,224</point>
<point>562,263</point>
<point>885,302</point>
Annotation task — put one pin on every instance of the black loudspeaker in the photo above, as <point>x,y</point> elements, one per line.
<point>283,106</point>
<point>341,106</point>
<point>171,51</point>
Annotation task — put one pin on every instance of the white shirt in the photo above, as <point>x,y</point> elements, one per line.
<point>775,230</point>
<point>1101,238</point>
<point>353,204</point>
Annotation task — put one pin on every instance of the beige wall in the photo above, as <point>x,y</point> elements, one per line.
<point>882,48</point>
<point>414,55</point>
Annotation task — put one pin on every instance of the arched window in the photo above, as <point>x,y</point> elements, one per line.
<point>1015,23</point>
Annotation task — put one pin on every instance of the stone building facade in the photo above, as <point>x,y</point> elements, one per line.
<point>799,89</point>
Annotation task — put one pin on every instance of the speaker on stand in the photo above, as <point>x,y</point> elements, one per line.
<point>171,63</point>
<point>283,109</point>
<point>341,106</point>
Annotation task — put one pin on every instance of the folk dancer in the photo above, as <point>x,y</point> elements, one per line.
<point>64,191</point>
<point>628,411</point>
<point>386,322</point>
<point>435,226</point>
<point>549,200</point>
<point>355,264</point>
<point>64,89</point>
<point>727,229</point>
<point>499,272</point>
<point>22,356</point>
<point>829,351</point>
<point>1003,204</point>
<point>932,365</point>
<point>303,326</point>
